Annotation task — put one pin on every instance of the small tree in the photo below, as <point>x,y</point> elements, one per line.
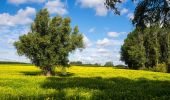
<point>76,63</point>
<point>49,42</point>
<point>109,64</point>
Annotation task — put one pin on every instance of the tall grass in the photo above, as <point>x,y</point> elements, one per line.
<point>83,83</point>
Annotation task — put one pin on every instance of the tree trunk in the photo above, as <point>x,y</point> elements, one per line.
<point>48,71</point>
<point>64,71</point>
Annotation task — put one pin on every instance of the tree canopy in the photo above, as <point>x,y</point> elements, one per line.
<point>109,64</point>
<point>146,48</point>
<point>49,42</point>
<point>147,12</point>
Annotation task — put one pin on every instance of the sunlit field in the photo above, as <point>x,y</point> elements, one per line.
<point>82,83</point>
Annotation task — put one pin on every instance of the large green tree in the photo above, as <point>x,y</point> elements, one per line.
<point>133,51</point>
<point>49,42</point>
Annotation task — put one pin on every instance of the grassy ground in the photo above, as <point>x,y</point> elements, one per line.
<point>83,83</point>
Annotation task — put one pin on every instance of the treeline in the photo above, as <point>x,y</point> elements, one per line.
<point>147,48</point>
<point>107,64</point>
<point>79,63</point>
<point>9,62</point>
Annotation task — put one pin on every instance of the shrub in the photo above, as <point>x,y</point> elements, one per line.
<point>121,66</point>
<point>161,68</point>
<point>168,68</point>
<point>143,68</point>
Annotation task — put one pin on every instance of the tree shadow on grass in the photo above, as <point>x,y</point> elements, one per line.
<point>37,73</point>
<point>32,73</point>
<point>118,88</point>
<point>67,74</point>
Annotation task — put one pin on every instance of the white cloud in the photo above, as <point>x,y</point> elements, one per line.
<point>108,42</point>
<point>97,5</point>
<point>113,34</point>
<point>21,18</point>
<point>130,16</point>
<point>116,34</point>
<point>91,30</point>
<point>104,42</point>
<point>102,50</point>
<point>56,7</point>
<point>124,11</point>
<point>11,55</point>
<point>96,55</point>
<point>11,41</point>
<point>87,42</point>
<point>8,35</point>
<point>25,1</point>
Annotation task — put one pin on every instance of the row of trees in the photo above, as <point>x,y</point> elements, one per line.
<point>79,63</point>
<point>146,48</point>
<point>148,44</point>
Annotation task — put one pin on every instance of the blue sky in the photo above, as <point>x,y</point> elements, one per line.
<point>103,31</point>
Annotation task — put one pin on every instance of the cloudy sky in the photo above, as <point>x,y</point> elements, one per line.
<point>103,31</point>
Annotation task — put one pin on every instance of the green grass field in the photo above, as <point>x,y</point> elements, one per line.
<point>82,83</point>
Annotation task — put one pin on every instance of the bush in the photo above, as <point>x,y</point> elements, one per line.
<point>168,68</point>
<point>121,66</point>
<point>144,68</point>
<point>161,68</point>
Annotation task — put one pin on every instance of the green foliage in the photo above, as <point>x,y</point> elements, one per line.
<point>147,12</point>
<point>121,66</point>
<point>20,82</point>
<point>111,4</point>
<point>76,63</point>
<point>133,51</point>
<point>91,65</point>
<point>152,12</point>
<point>109,64</point>
<point>146,48</point>
<point>8,62</point>
<point>50,41</point>
<point>168,68</point>
<point>161,68</point>
<point>151,44</point>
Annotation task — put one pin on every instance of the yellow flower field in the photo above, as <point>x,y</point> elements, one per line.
<point>82,83</point>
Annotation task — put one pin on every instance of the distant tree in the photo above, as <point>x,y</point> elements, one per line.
<point>109,64</point>
<point>121,66</point>
<point>97,64</point>
<point>76,63</point>
<point>49,42</point>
